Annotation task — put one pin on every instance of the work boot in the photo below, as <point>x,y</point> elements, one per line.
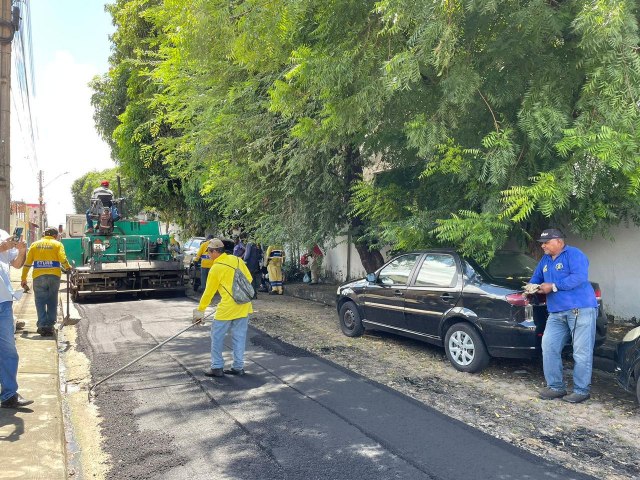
<point>235,371</point>
<point>45,331</point>
<point>550,394</point>
<point>576,397</point>
<point>16,402</point>
<point>214,372</point>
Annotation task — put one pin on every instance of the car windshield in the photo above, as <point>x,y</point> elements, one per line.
<point>511,266</point>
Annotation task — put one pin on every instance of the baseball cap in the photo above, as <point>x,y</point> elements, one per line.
<point>215,243</point>
<point>550,234</point>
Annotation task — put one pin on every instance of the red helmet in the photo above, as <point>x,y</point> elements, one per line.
<point>104,183</point>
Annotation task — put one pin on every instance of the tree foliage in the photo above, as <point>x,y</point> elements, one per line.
<point>416,124</point>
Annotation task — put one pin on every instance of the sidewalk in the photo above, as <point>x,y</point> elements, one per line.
<point>32,439</point>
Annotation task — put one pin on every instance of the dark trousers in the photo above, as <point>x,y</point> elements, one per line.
<point>255,282</point>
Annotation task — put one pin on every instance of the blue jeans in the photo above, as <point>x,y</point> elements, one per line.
<point>45,289</point>
<point>8,353</point>
<point>561,327</point>
<point>204,273</point>
<point>239,339</point>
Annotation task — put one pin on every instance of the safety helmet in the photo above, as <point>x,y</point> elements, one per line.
<point>104,183</point>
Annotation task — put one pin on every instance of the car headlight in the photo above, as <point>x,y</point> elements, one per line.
<point>632,335</point>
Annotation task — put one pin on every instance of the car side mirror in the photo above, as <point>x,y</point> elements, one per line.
<point>371,277</point>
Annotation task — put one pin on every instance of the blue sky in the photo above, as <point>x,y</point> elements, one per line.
<point>70,46</point>
<point>78,26</point>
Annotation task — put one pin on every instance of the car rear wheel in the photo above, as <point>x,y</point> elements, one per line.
<point>465,348</point>
<point>350,321</point>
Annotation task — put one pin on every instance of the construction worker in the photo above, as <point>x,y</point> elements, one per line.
<point>275,259</point>
<point>174,245</point>
<point>205,261</point>
<point>47,257</point>
<point>229,314</point>
<point>101,197</point>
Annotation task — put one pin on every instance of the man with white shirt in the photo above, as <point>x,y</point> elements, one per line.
<point>12,253</point>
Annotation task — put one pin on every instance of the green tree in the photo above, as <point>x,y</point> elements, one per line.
<point>411,124</point>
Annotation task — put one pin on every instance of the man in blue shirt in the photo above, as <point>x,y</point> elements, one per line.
<point>563,275</point>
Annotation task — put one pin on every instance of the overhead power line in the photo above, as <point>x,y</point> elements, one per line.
<point>25,85</point>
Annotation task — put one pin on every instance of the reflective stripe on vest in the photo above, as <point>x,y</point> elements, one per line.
<point>46,264</point>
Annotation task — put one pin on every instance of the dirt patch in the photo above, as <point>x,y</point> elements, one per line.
<point>599,437</point>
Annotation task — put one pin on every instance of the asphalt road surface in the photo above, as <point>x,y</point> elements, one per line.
<point>293,416</point>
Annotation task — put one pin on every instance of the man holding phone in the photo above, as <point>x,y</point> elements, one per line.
<point>12,253</point>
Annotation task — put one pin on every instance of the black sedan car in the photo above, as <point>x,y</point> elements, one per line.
<point>442,298</point>
<point>628,362</point>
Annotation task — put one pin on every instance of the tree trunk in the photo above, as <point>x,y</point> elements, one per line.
<point>371,258</point>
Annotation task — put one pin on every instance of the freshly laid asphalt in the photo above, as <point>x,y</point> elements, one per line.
<point>294,416</point>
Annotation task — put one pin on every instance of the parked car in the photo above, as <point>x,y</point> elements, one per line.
<point>439,297</point>
<point>628,362</point>
<point>190,250</point>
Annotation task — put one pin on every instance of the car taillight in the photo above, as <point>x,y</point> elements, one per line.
<point>517,299</point>
<point>598,294</point>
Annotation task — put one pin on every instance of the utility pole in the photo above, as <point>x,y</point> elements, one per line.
<point>7,29</point>
<point>41,200</point>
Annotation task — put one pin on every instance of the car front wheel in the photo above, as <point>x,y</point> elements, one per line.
<point>465,348</point>
<point>350,321</point>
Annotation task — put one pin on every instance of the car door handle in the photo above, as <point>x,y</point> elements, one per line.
<point>399,293</point>
<point>447,297</point>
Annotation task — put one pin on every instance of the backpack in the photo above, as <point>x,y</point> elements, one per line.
<point>241,289</point>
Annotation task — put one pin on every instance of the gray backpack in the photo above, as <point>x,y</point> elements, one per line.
<point>241,289</point>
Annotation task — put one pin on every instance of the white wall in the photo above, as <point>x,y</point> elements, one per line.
<point>615,265</point>
<point>334,263</point>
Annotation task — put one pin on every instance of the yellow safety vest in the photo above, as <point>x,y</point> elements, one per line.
<point>222,276</point>
<point>46,256</point>
<point>203,255</point>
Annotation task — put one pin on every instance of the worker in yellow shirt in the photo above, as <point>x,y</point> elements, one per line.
<point>174,245</point>
<point>275,259</point>
<point>47,257</point>
<point>229,314</point>
<point>205,262</point>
